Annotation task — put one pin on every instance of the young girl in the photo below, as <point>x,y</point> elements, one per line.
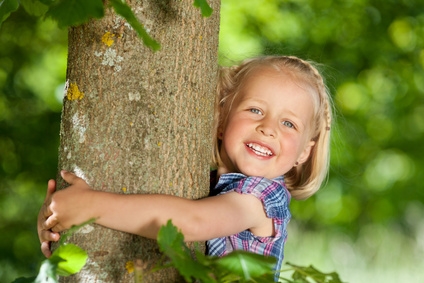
<point>272,130</point>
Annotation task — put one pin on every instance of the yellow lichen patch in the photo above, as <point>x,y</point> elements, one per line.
<point>73,92</point>
<point>107,39</point>
<point>124,189</point>
<point>130,266</point>
<point>159,143</point>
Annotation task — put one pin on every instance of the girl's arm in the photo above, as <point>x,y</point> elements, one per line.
<point>143,215</point>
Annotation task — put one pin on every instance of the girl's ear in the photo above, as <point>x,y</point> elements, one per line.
<point>306,152</point>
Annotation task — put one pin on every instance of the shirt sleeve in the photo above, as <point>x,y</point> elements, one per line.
<point>274,197</point>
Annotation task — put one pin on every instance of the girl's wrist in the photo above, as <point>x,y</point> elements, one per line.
<point>97,204</point>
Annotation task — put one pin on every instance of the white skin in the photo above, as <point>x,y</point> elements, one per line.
<point>266,134</point>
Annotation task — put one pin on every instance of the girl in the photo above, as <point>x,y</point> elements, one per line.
<point>272,130</point>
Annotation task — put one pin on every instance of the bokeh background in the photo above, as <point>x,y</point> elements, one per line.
<point>366,223</point>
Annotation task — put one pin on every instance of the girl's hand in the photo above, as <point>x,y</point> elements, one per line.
<point>46,236</point>
<point>67,207</point>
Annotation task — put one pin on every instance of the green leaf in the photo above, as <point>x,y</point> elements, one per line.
<point>70,258</point>
<point>248,265</point>
<point>303,273</point>
<point>169,238</point>
<point>205,9</point>
<point>122,9</point>
<point>74,12</point>
<point>7,7</point>
<point>34,7</point>
<point>66,260</point>
<point>171,243</point>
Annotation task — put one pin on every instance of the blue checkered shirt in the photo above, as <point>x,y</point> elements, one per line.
<point>275,198</point>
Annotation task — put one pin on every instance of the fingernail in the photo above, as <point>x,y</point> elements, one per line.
<point>62,172</point>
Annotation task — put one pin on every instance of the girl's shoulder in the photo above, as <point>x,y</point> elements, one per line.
<point>259,186</point>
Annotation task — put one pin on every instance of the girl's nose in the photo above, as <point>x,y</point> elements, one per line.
<point>266,128</point>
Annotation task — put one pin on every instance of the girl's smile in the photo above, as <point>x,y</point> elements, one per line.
<point>259,150</point>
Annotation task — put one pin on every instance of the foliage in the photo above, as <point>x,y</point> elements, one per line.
<point>238,266</point>
<point>124,10</point>
<point>66,260</point>
<point>301,274</point>
<point>372,55</point>
<point>75,12</point>
<point>204,7</point>
<point>7,7</point>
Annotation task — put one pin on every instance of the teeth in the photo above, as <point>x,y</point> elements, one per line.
<point>260,150</point>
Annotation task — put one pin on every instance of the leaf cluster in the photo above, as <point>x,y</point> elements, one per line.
<point>75,12</point>
<point>302,274</point>
<point>66,260</point>
<point>238,266</point>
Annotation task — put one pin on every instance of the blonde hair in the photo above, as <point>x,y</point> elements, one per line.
<point>305,179</point>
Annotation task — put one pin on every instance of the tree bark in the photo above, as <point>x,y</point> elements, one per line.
<point>137,121</point>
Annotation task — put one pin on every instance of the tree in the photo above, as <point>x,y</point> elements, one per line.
<point>373,61</point>
<point>137,121</point>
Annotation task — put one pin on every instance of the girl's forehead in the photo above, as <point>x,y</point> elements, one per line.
<point>260,78</point>
<point>273,71</point>
<point>279,77</point>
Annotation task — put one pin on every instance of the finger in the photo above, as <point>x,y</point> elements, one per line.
<point>58,228</point>
<point>49,236</point>
<point>45,249</point>
<point>69,177</point>
<point>51,188</point>
<point>49,223</point>
<point>45,211</point>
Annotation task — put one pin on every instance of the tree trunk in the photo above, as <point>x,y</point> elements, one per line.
<point>135,121</point>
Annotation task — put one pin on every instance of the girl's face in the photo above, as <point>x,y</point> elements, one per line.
<point>268,127</point>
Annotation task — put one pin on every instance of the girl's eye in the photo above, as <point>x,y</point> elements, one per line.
<point>256,111</point>
<point>288,124</point>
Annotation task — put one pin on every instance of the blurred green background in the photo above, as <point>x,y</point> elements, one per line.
<point>366,223</point>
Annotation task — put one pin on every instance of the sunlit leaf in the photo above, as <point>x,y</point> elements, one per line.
<point>7,7</point>
<point>204,7</point>
<point>74,12</point>
<point>72,257</point>
<point>121,8</point>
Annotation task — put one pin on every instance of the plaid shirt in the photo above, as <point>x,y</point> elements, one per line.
<point>275,198</point>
